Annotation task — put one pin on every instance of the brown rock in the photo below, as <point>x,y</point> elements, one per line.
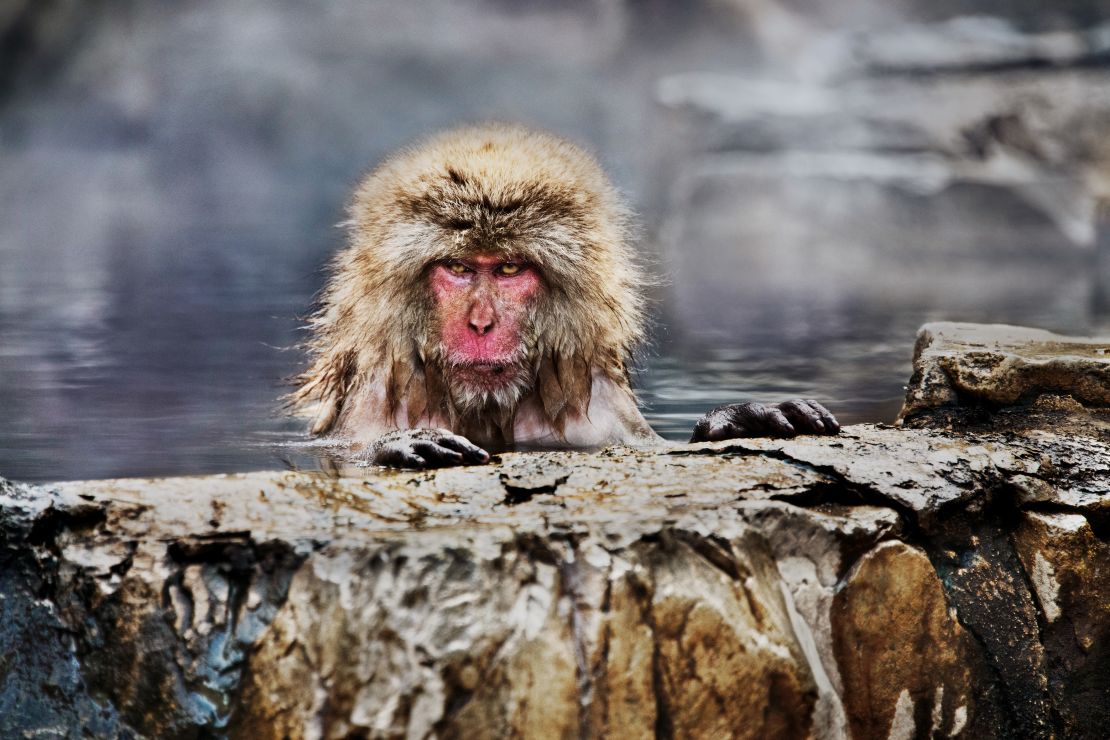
<point>741,588</point>
<point>727,660</point>
<point>985,584</point>
<point>1068,566</point>
<point>999,365</point>
<point>623,663</point>
<point>902,655</point>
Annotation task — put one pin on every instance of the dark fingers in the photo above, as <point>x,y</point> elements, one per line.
<point>832,426</point>
<point>399,457</point>
<point>804,418</point>
<point>777,425</point>
<point>436,454</point>
<point>470,451</point>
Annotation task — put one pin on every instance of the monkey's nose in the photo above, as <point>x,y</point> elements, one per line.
<point>481,325</point>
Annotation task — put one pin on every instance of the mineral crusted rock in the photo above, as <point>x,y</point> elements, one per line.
<point>999,365</point>
<point>885,582</point>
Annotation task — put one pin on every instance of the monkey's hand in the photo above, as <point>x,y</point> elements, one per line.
<point>786,419</point>
<point>424,448</point>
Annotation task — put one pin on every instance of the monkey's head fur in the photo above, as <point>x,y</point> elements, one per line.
<point>489,189</point>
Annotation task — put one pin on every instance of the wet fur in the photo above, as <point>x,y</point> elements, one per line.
<point>492,189</point>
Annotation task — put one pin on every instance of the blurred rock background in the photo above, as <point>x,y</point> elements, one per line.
<point>815,180</point>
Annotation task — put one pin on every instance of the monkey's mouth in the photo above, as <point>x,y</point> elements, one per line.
<point>487,373</point>
<point>493,368</point>
<point>486,369</point>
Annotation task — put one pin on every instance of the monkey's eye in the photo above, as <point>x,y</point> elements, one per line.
<point>457,268</point>
<point>508,269</point>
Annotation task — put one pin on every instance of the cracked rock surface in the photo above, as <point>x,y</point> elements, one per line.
<point>889,581</point>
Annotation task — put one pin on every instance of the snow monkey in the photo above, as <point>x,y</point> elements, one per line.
<point>488,300</point>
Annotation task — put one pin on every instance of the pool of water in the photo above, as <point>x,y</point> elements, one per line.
<point>167,198</point>
<point>174,365</point>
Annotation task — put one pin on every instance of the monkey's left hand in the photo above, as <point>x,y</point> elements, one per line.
<point>786,419</point>
<point>424,448</point>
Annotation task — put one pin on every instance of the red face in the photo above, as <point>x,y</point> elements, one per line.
<point>482,303</point>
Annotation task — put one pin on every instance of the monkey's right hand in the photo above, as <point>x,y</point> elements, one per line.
<point>425,448</point>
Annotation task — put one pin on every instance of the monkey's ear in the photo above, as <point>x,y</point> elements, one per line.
<point>322,390</point>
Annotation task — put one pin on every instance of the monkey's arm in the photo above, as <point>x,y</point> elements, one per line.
<point>765,420</point>
<point>614,418</point>
<point>424,448</point>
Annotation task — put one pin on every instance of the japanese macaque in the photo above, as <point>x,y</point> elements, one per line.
<point>488,300</point>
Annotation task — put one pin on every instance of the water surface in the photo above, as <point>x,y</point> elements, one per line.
<point>141,376</point>
<point>168,196</point>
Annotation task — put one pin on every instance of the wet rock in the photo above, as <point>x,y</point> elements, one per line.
<point>813,549</point>
<point>1027,131</point>
<point>813,229</point>
<point>972,42</point>
<point>867,584</point>
<point>714,641</point>
<point>997,365</point>
<point>41,685</point>
<point>799,192</point>
<point>1076,446</point>
<point>1068,565</point>
<point>902,655</point>
<point>985,584</point>
<point>915,475</point>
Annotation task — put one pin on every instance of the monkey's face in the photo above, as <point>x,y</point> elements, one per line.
<point>483,306</point>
